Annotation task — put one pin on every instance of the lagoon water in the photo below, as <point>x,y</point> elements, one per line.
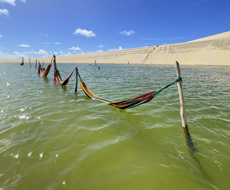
<point>54,138</point>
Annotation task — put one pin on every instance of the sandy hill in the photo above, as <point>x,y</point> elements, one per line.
<point>222,36</point>
<point>211,50</point>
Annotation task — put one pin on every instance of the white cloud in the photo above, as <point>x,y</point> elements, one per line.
<point>74,48</point>
<point>127,33</point>
<point>100,50</point>
<point>12,2</point>
<point>42,52</point>
<point>24,45</point>
<point>24,1</point>
<point>4,55</point>
<point>57,43</point>
<point>84,32</point>
<point>0,36</point>
<point>120,48</point>
<point>100,46</point>
<point>4,12</point>
<point>61,53</point>
<point>17,53</point>
<point>25,54</point>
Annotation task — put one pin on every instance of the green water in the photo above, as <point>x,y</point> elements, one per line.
<point>52,138</point>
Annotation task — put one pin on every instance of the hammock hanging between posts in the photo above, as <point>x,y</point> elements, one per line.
<point>57,76</point>
<point>47,69</point>
<point>130,103</point>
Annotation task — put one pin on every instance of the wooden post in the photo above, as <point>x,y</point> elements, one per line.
<point>76,79</point>
<point>36,64</point>
<point>22,63</point>
<point>39,67</point>
<point>182,103</point>
<point>29,61</point>
<point>54,60</point>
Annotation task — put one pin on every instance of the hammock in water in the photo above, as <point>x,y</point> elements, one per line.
<point>57,76</point>
<point>47,69</point>
<point>130,103</point>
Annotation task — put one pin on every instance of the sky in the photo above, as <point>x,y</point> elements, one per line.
<point>42,28</point>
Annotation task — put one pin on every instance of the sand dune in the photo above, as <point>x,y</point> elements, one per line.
<point>211,50</point>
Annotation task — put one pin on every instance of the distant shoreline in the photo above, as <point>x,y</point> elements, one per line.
<point>213,50</point>
<point>192,65</point>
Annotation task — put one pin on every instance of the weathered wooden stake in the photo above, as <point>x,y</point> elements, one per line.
<point>182,102</point>
<point>36,64</point>
<point>29,61</point>
<point>54,60</point>
<point>22,63</point>
<point>76,80</point>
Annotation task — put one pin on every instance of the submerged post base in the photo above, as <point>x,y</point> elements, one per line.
<point>186,131</point>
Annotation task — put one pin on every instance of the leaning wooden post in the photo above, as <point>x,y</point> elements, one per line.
<point>182,103</point>
<point>76,79</point>
<point>54,61</point>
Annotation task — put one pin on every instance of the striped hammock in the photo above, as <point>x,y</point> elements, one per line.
<point>47,69</point>
<point>57,76</point>
<point>125,104</point>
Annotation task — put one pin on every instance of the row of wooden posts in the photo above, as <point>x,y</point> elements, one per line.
<point>180,91</point>
<point>22,63</point>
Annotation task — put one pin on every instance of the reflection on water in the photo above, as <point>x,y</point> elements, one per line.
<point>54,138</point>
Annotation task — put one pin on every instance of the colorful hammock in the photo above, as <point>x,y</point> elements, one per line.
<point>57,76</point>
<point>130,103</point>
<point>46,71</point>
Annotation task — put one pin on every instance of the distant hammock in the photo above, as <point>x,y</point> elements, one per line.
<point>130,103</point>
<point>46,71</point>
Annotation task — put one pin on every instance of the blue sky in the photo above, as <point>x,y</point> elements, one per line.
<point>41,28</point>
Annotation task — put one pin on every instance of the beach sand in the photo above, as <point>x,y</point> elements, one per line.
<point>212,50</point>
